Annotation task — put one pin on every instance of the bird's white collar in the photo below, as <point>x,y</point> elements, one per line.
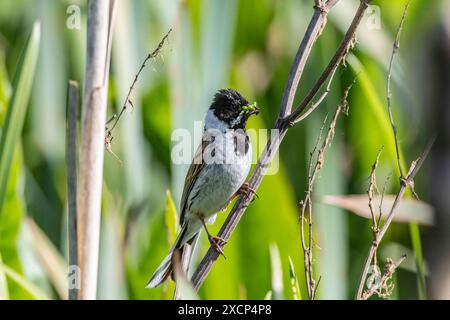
<point>212,122</point>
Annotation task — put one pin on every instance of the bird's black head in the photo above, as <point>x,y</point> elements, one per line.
<point>232,108</point>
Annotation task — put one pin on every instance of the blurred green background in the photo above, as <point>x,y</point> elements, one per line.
<point>248,45</point>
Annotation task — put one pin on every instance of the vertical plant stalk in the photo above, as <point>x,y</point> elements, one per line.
<point>395,48</point>
<point>384,287</point>
<point>285,118</point>
<point>99,32</point>
<point>71,167</point>
<point>405,181</point>
<point>413,228</point>
<point>306,205</point>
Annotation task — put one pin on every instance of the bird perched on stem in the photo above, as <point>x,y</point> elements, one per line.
<point>216,175</point>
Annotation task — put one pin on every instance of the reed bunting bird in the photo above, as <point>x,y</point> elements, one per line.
<point>216,175</point>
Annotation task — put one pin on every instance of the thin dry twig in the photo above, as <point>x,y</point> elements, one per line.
<point>347,43</point>
<point>284,120</point>
<point>313,31</point>
<point>415,166</point>
<point>319,102</point>
<point>413,169</point>
<point>395,48</point>
<point>307,201</point>
<point>306,247</point>
<point>379,233</point>
<point>115,118</point>
<point>405,182</point>
<point>383,192</point>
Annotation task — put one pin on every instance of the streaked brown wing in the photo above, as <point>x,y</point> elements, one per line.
<point>191,176</point>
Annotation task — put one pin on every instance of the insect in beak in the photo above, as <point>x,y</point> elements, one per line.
<point>250,109</point>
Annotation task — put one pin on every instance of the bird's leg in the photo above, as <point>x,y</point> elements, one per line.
<point>230,201</point>
<point>215,241</point>
<point>245,188</point>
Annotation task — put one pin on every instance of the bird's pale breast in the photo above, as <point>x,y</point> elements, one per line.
<point>219,181</point>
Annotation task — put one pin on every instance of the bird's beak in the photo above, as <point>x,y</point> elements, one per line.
<point>251,109</point>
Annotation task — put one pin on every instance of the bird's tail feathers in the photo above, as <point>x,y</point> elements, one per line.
<point>163,272</point>
<point>165,269</point>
